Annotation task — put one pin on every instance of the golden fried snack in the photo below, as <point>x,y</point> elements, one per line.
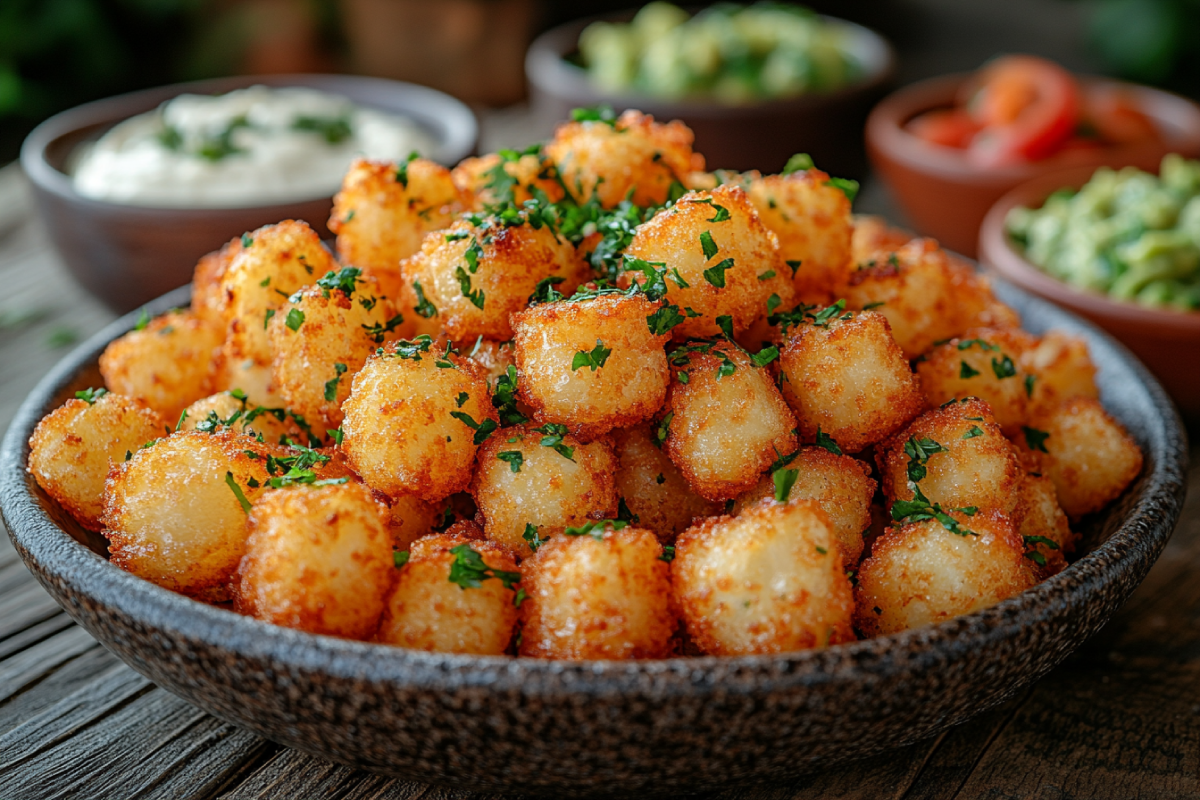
<point>505,177</point>
<point>246,377</point>
<point>73,446</point>
<point>385,208</point>
<point>208,300</point>
<point>175,513</point>
<point>983,363</point>
<point>718,254</point>
<point>652,487</point>
<point>632,157</point>
<point>1043,525</point>
<point>318,559</point>
<point>840,485</point>
<point>1087,454</point>
<point>724,421</point>
<point>592,365</point>
<point>958,457</point>
<point>410,519</point>
<point>1061,369</point>
<point>872,238</point>
<point>234,411</point>
<point>770,580</point>
<point>474,274</point>
<point>922,573</point>
<point>322,336</point>
<point>602,591</point>
<point>454,594</point>
<point>845,377</point>
<point>164,363</point>
<point>414,418</point>
<point>533,481</point>
<point>766,328</point>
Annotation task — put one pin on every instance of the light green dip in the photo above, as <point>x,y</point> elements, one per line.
<point>1126,233</point>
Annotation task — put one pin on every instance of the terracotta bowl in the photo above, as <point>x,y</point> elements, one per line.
<point>630,729</point>
<point>946,197</point>
<point>126,254</point>
<point>755,136</point>
<point>1167,341</point>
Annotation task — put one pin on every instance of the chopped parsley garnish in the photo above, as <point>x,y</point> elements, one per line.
<point>336,435</point>
<point>708,245</point>
<point>1035,439</point>
<point>472,254</point>
<point>593,359</point>
<point>295,319</point>
<point>601,113</point>
<point>595,529</point>
<point>668,553</point>
<point>504,398</point>
<point>918,452</point>
<point>725,323</point>
<point>848,187</point>
<point>331,385</point>
<point>919,509</point>
<point>967,371</point>
<point>531,536</point>
<point>784,479</point>
<point>237,492</point>
<point>1029,380</point>
<point>967,344</point>
<point>972,432</point>
<point>412,350</point>
<point>716,274</point>
<point>379,331</point>
<point>90,396</point>
<point>625,514</point>
<point>423,307</point>
<point>462,398</point>
<point>514,458</point>
<point>402,170</point>
<point>764,356</point>
<point>545,292</point>
<point>766,276</point>
<point>399,558</point>
<point>826,441</point>
<point>477,296</point>
<point>143,320</point>
<point>1004,368</point>
<point>344,280</point>
<point>664,319</point>
<point>797,163</point>
<point>794,265</point>
<point>662,430</point>
<point>469,570</point>
<point>552,437</point>
<point>482,429</point>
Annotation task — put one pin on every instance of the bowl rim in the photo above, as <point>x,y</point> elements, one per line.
<point>885,131</point>
<point>547,70</point>
<point>996,250</point>
<point>452,123</point>
<point>1132,545</point>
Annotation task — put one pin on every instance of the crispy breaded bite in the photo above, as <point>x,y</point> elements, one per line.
<point>724,421</point>
<point>1061,369</point>
<point>164,363</point>
<point>845,377</point>
<point>767,326</point>
<point>506,177</point>
<point>483,268</point>
<point>1087,454</point>
<point>811,217</point>
<point>770,580</point>
<point>410,518</point>
<point>266,266</point>
<point>175,513</point>
<point>840,485</point>
<point>632,157</point>
<point>233,410</point>
<point>73,447</point>
<point>923,572</point>
<point>247,377</point>
<point>322,336</point>
<point>385,208</point>
<point>318,559</point>
<point>592,365</point>
<point>983,363</point>
<point>652,487</point>
<point>957,455</point>
<point>414,418</point>
<point>208,299</point>
<point>602,591</point>
<point>1043,525</point>
<point>495,357</point>
<point>454,594</point>
<point>532,481</point>
<point>872,238</point>
<point>715,249</point>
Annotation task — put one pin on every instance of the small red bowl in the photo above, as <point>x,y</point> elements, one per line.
<point>1167,341</point>
<point>946,197</point>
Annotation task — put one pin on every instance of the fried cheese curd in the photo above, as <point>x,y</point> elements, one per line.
<point>1043,525</point>
<point>845,377</point>
<point>482,179</point>
<point>455,593</point>
<point>652,488</point>
<point>1061,368</point>
<point>73,447</point>
<point>630,158</point>
<point>415,416</point>
<point>532,482</point>
<point>483,268</point>
<point>171,514</point>
<point>840,485</point>
<point>724,421</point>
<point>208,298</point>
<point>957,455</point>
<point>318,559</point>
<point>922,572</point>
<point>769,580</point>
<point>592,365</point>
<point>410,518</point>
<point>385,208</point>
<point>602,591</point>
<point>233,410</point>
<point>719,254</point>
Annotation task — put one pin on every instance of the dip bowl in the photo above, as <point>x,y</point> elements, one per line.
<point>628,729</point>
<point>128,254</point>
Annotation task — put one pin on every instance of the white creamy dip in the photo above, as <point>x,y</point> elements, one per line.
<point>249,147</point>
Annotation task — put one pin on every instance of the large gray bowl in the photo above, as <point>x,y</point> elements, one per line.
<point>633,729</point>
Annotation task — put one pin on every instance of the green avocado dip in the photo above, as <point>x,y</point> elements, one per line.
<point>1126,233</point>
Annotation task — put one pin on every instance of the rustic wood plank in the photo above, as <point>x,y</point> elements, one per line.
<point>27,604</point>
<point>34,634</point>
<point>31,665</point>
<point>71,676</point>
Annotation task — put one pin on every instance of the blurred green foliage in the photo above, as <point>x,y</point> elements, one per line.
<point>1150,41</point>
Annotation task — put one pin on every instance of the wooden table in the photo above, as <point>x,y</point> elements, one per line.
<point>1119,720</point>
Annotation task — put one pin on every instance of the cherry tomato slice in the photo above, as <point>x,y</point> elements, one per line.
<point>950,127</point>
<point>1116,117</point>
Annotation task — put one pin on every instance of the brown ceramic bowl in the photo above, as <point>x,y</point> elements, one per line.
<point>762,136</point>
<point>128,254</point>
<point>627,729</point>
<point>946,197</point>
<point>1167,341</point>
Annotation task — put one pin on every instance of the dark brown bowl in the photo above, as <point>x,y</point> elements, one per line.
<point>631,729</point>
<point>128,254</point>
<point>762,136</point>
<point>1167,341</point>
<point>946,197</point>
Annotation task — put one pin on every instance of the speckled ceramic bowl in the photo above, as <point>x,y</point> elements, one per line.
<point>627,729</point>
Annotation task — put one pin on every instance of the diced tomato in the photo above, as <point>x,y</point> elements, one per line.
<point>1116,116</point>
<point>951,127</point>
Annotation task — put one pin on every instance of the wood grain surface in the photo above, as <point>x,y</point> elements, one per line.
<point>1119,720</point>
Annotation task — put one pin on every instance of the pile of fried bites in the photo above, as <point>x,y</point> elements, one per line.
<point>589,401</point>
